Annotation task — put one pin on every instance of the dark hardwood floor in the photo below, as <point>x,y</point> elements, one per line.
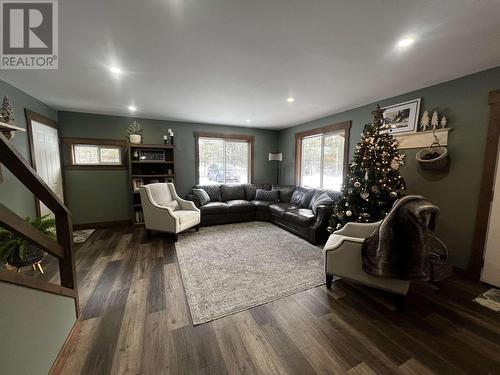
<point>135,320</point>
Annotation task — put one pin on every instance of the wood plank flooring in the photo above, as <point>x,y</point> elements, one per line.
<point>135,320</point>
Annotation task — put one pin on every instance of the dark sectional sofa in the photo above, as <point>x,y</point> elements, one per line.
<point>293,210</point>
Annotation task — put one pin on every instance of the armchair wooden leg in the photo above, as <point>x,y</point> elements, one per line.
<point>197,228</point>
<point>329,281</point>
<point>148,233</point>
<point>401,303</point>
<point>174,237</point>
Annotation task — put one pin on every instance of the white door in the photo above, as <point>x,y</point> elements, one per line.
<point>47,159</point>
<point>491,268</point>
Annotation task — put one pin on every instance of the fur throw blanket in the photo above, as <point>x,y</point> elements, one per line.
<point>398,249</point>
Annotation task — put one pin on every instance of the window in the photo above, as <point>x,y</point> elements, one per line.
<point>92,155</point>
<point>223,158</point>
<point>321,156</point>
<point>98,153</point>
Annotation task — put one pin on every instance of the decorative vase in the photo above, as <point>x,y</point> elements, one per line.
<point>135,139</point>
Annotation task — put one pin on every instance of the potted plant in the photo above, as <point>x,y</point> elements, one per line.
<point>134,132</point>
<point>18,252</point>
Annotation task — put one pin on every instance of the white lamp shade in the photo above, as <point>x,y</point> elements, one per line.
<point>275,156</point>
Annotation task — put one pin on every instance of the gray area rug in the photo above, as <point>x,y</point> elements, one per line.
<point>229,268</point>
<point>490,299</point>
<point>83,235</point>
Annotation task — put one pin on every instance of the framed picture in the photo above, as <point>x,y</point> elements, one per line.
<point>402,117</point>
<point>137,182</point>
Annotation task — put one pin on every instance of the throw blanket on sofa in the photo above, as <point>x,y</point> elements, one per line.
<point>398,248</point>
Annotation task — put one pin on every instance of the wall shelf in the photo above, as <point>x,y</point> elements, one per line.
<point>4,126</point>
<point>422,139</point>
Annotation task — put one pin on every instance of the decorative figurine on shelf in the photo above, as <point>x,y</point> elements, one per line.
<point>424,122</point>
<point>134,132</point>
<point>435,120</point>
<point>7,111</point>
<point>171,135</point>
<point>165,140</point>
<point>444,122</point>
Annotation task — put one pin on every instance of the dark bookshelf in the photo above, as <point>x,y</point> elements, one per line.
<point>148,164</point>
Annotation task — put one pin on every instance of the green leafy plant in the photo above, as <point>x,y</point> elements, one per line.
<point>135,128</point>
<point>12,246</point>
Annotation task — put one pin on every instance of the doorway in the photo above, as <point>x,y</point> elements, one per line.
<point>45,153</point>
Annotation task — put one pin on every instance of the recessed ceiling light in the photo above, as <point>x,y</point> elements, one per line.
<point>290,100</point>
<point>115,70</point>
<point>248,120</point>
<point>405,42</point>
<point>132,108</point>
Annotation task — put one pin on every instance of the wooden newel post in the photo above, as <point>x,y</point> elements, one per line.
<point>67,271</point>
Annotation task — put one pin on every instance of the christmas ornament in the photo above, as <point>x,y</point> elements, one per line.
<point>393,194</point>
<point>357,184</point>
<point>394,164</point>
<point>365,195</point>
<point>348,213</point>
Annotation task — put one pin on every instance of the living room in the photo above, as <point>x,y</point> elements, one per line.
<point>210,183</point>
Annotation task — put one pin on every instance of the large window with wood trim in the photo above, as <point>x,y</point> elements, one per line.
<point>321,156</point>
<point>223,158</point>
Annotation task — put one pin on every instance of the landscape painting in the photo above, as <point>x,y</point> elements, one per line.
<point>402,117</point>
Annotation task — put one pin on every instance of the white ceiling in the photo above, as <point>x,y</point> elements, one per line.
<point>225,61</point>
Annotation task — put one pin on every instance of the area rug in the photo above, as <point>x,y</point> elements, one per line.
<point>490,299</point>
<point>229,268</point>
<point>83,235</point>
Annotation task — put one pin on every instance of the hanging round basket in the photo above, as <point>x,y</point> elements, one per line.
<point>433,158</point>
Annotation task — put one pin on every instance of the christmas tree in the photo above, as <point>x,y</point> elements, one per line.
<point>7,111</point>
<point>373,182</point>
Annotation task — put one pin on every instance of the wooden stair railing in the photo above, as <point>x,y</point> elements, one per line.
<point>62,249</point>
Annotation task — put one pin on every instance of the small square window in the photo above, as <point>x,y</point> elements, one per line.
<point>96,155</point>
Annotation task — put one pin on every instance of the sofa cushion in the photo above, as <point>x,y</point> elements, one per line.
<point>185,216</point>
<point>240,205</point>
<point>232,192</point>
<point>266,195</point>
<point>284,192</point>
<point>279,209</point>
<point>261,205</point>
<point>213,191</point>
<point>323,199</point>
<point>202,196</point>
<point>215,208</point>
<point>300,215</point>
<point>302,196</point>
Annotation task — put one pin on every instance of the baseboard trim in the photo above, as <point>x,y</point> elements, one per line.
<point>63,354</point>
<point>103,224</point>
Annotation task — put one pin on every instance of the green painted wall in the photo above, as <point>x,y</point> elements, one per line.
<point>464,101</point>
<point>12,193</point>
<point>103,195</point>
<point>33,328</point>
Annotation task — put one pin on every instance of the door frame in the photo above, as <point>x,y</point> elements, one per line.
<point>34,116</point>
<point>476,261</point>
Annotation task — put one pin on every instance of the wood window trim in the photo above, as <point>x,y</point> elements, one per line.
<point>486,190</point>
<point>345,126</point>
<point>242,137</point>
<point>68,144</point>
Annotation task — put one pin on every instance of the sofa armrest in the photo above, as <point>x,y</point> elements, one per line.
<point>322,216</point>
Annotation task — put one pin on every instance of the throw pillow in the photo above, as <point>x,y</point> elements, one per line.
<point>266,195</point>
<point>174,205</point>
<point>323,199</point>
<point>202,196</point>
<point>301,197</point>
<point>213,191</point>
